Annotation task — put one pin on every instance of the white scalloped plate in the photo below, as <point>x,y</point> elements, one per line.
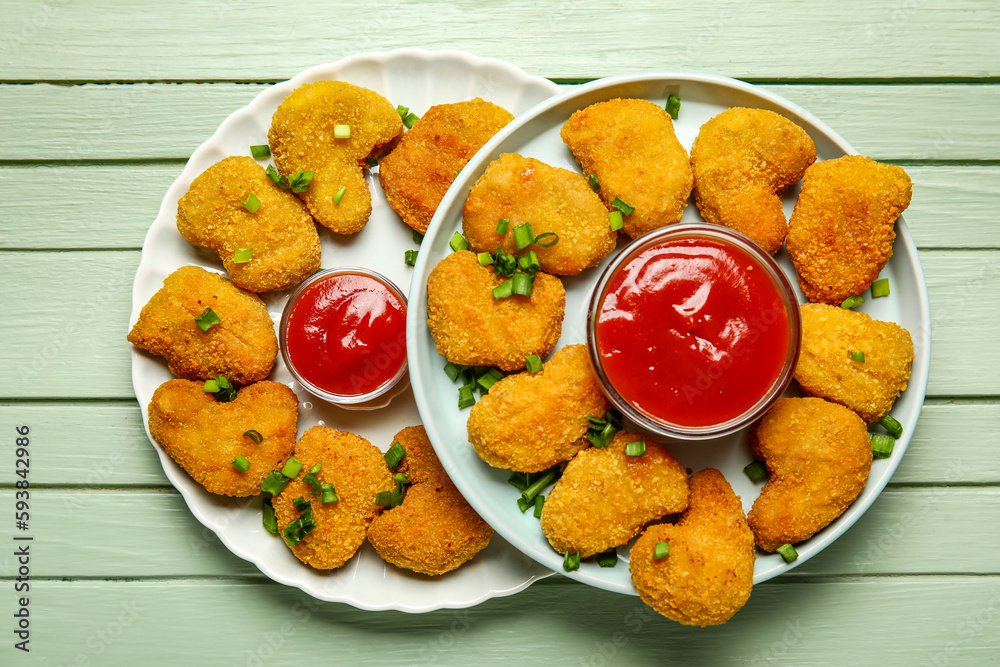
<point>536,134</point>
<point>418,79</point>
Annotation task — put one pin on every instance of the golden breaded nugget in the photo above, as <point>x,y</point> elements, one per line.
<point>841,231</point>
<point>470,327</point>
<point>707,575</point>
<point>605,496</point>
<point>825,369</point>
<point>818,456</point>
<point>242,346</point>
<point>281,233</point>
<point>421,168</point>
<point>531,421</point>
<point>357,471</point>
<point>631,147</point>
<point>742,160</point>
<point>434,530</point>
<point>302,137</point>
<point>204,436</point>
<point>558,201</point>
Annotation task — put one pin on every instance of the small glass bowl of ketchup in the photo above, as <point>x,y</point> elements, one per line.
<point>343,337</point>
<point>693,331</point>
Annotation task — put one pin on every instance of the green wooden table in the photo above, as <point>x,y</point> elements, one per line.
<point>102,102</point>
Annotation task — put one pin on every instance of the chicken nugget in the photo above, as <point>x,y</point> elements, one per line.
<point>707,574</point>
<point>204,436</point>
<point>357,471</point>
<point>242,346</point>
<point>742,160</point>
<point>421,168</point>
<point>631,147</point>
<point>531,421</point>
<point>434,530</point>
<point>841,231</point>
<point>818,455</point>
<point>605,496</point>
<point>552,200</point>
<point>280,233</point>
<point>830,335</point>
<point>302,137</point>
<point>470,327</point>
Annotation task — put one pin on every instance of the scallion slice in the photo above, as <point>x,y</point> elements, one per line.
<point>536,487</point>
<point>328,494</point>
<point>207,320</point>
<point>661,550</point>
<point>487,380</point>
<point>571,561</point>
<point>882,445</point>
<point>267,517</point>
<point>504,289</point>
<point>410,120</point>
<point>274,483</point>
<point>339,195</point>
<point>242,255</point>
<point>241,463</point>
<point>593,182</point>
<point>523,505</point>
<point>533,363</point>
<point>504,264</point>
<point>394,455</point>
<point>485,258</point>
<point>224,390</point>
<point>858,356</point>
<point>547,240</point>
<point>616,220</point>
<point>341,131</point>
<point>254,435</point>
<point>608,558</point>
<point>316,468</point>
<point>453,370</point>
<point>313,481</point>
<point>673,106</point>
<point>465,397</point>
<point>788,552</point>
<point>880,288</point>
<point>756,471</point>
<point>299,181</point>
<point>390,498</point>
<point>539,504</point>
<point>401,478</point>
<point>276,178</point>
<point>417,237</point>
<point>210,386</point>
<point>371,162</point>
<point>402,111</point>
<point>251,203</point>
<point>458,242</point>
<point>635,448</point>
<point>502,226</point>
<point>891,425</point>
<point>852,302</point>
<point>410,257</point>
<point>260,151</point>
<point>292,467</point>
<point>622,206</point>
<point>300,504</point>
<point>523,236</point>
<point>528,262</point>
<point>298,529</point>
<point>518,480</point>
<point>523,283</point>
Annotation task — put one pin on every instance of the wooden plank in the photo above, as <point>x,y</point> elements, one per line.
<point>151,121</point>
<point>59,40</point>
<point>922,620</point>
<point>954,443</point>
<point>949,205</point>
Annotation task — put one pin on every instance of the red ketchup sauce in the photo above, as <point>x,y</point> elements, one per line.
<point>692,332</point>
<point>346,334</point>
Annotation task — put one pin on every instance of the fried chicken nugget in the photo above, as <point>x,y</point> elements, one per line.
<point>421,168</point>
<point>302,137</point>
<point>841,231</point>
<point>818,456</point>
<point>742,160</point>
<point>631,147</point>
<point>470,327</point>
<point>605,496</point>
<point>358,472</point>
<point>553,200</point>
<point>242,346</point>
<point>829,335</point>
<point>281,233</point>
<point>531,421</point>
<point>434,530</point>
<point>204,436</point>
<point>708,574</point>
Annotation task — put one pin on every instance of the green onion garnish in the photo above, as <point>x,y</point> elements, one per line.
<point>523,283</point>
<point>756,471</point>
<point>417,237</point>
<point>533,363</point>
<point>539,503</point>
<point>341,131</point>
<point>502,226</point>
<point>788,552</point>
<point>402,111</point>
<point>207,320</point>
<point>528,262</point>
<point>458,242</point>
<point>410,119</point>
<point>465,397</point>
<point>453,370</point>
<point>241,463</point>
<point>890,424</point>
<point>298,529</point>
<point>389,498</point>
<point>523,236</point>
<point>622,206</point>
<point>210,386</point>
<point>260,151</point>
<point>571,561</point>
<point>594,184</point>
<point>882,445</point>
<point>313,481</point>
<point>300,504</point>
<point>858,356</point>
<point>615,220</point>
<point>635,448</point>
<point>299,181</point>
<point>485,258</point>
<point>608,558</point>
<point>316,468</point>
<point>673,106</point>
<point>221,389</point>
<point>489,379</point>
<point>292,467</point>
<point>254,435</point>
<point>251,203</point>
<point>547,240</point>
<point>518,480</point>
<point>274,483</point>
<point>536,487</point>
<point>523,505</point>
<point>401,478</point>
<point>339,195</point>
<point>267,517</point>
<point>504,289</point>
<point>242,255</point>
<point>371,162</point>
<point>276,178</point>
<point>880,288</point>
<point>504,264</point>
<point>410,257</point>
<point>602,431</point>
<point>394,455</point>
<point>661,550</point>
<point>328,495</point>
<point>852,302</point>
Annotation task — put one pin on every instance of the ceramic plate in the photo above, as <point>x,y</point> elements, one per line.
<point>410,77</point>
<point>536,134</point>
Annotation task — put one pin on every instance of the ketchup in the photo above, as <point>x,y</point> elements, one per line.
<point>692,331</point>
<point>346,334</point>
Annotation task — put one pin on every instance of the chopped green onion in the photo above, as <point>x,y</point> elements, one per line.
<point>635,448</point>
<point>371,162</point>
<point>528,262</point>
<point>539,503</point>
<point>518,480</point>
<point>466,397</point>
<point>390,498</point>
<point>852,302</point>
<point>756,471</point>
<point>882,445</point>
<point>788,552</point>
<point>260,151</point>
<point>292,467</point>
<point>410,119</point>
<point>661,550</point>
<point>523,236</point>
<point>300,504</point>
<point>673,106</point>
<point>504,289</point>
<point>533,363</point>
<point>608,558</point>
<point>890,424</point>
<point>313,481</point>
<point>296,531</point>
<point>504,264</point>
<point>316,468</point>
<point>417,237</point>
<point>207,320</point>
<point>341,131</point>
<point>502,226</point>
<point>241,463</point>
<point>458,242</point>
<point>328,495</point>
<point>485,258</point>
<point>453,370</point>
<point>402,111</point>
<point>602,431</point>
<point>858,356</point>
<point>523,283</point>
<point>299,181</point>
<point>571,561</point>
<point>274,483</point>
<point>401,478</point>
<point>593,182</point>
<point>536,487</point>
<point>615,220</point>
<point>221,389</point>
<point>276,178</point>
<point>489,379</point>
<point>254,435</point>
<point>210,386</point>
<point>252,203</point>
<point>547,240</point>
<point>622,206</point>
<point>242,255</point>
<point>267,517</point>
<point>880,288</point>
<point>410,257</point>
<point>523,505</point>
<point>394,455</point>
<point>339,195</point>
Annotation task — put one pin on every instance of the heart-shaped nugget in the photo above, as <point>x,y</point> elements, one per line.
<point>206,436</point>
<point>470,327</point>
<point>329,128</point>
